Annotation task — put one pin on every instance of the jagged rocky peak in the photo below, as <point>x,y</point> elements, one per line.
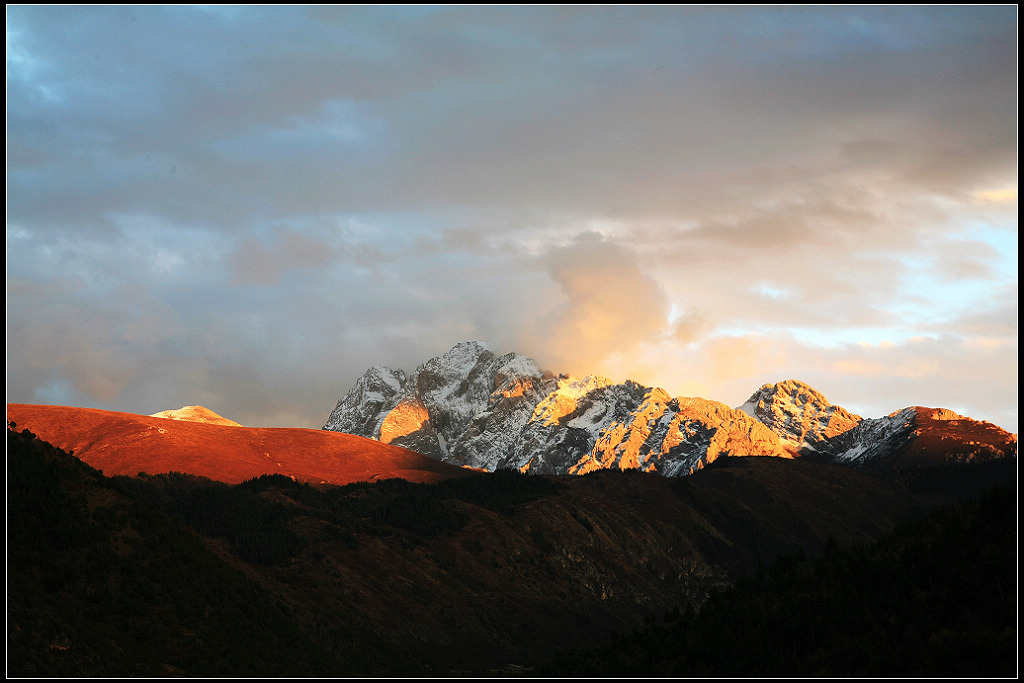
<point>565,398</point>
<point>472,408</point>
<point>358,410</point>
<point>379,383</point>
<point>677,436</point>
<point>456,364</point>
<point>798,414</point>
<point>514,372</point>
<point>455,386</point>
<point>429,409</point>
<point>941,435</point>
<point>870,439</point>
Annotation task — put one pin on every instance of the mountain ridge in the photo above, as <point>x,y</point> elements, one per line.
<point>125,444</point>
<point>472,408</point>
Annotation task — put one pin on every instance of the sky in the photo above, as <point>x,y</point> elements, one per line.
<point>245,208</point>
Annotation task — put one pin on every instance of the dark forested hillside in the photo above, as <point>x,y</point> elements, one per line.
<point>172,574</point>
<point>100,583</point>
<point>935,598</point>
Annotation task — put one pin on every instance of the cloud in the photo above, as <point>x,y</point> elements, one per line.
<point>624,111</point>
<point>254,205</point>
<point>609,304</point>
<point>872,380</point>
<point>689,327</point>
<point>1001,195</point>
<point>735,358</point>
<point>257,262</point>
<point>63,345</point>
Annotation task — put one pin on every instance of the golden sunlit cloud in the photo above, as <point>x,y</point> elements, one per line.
<point>989,343</point>
<point>884,344</point>
<point>859,367</point>
<point>733,357</point>
<point>689,327</point>
<point>1003,195</point>
<point>865,368</point>
<point>610,305</point>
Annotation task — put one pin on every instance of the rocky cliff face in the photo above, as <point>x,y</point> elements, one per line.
<point>471,408</point>
<point>920,436</point>
<point>462,406</point>
<point>799,415</point>
<point>808,425</point>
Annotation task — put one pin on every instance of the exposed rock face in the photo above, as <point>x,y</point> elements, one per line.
<point>196,414</point>
<point>952,437</point>
<point>808,424</point>
<point>676,436</point>
<point>408,422</point>
<point>919,436</point>
<point>471,408</point>
<point>359,411</point>
<point>430,410</point>
<point>798,414</point>
<point>868,440</point>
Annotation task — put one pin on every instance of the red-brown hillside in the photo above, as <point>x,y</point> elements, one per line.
<point>941,436</point>
<point>125,443</point>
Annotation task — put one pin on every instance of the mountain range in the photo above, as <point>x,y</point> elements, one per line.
<point>469,407</point>
<point>302,552</point>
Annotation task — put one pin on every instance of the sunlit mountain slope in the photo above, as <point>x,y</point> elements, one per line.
<point>125,443</point>
<point>471,407</point>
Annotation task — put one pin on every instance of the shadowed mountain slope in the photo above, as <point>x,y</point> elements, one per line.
<point>471,575</point>
<point>935,598</point>
<point>100,584</point>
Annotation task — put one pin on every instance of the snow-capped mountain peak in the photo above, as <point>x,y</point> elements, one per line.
<point>798,414</point>
<point>469,407</point>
